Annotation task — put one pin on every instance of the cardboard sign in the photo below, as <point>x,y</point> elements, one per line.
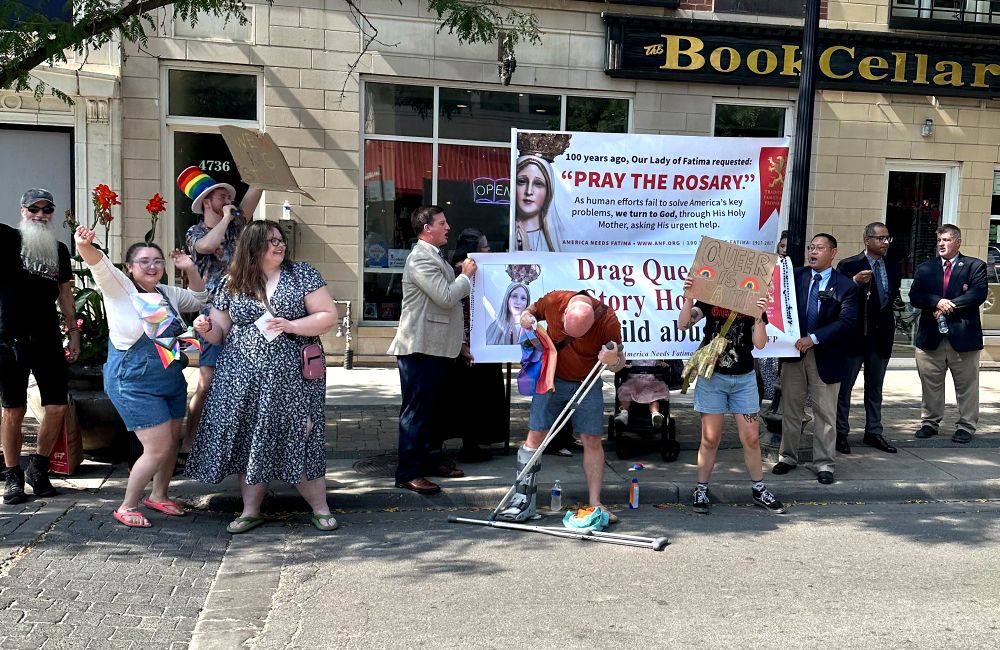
<point>260,160</point>
<point>731,276</point>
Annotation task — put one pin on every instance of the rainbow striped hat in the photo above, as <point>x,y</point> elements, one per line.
<point>196,184</point>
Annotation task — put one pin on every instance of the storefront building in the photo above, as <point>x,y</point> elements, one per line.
<point>907,125</point>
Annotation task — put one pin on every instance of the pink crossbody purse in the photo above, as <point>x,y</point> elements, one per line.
<point>313,359</point>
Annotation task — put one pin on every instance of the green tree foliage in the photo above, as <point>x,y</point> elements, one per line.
<point>30,36</point>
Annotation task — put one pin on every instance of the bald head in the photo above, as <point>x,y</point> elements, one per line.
<point>579,318</point>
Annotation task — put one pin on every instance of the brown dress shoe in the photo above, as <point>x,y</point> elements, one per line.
<point>420,485</point>
<point>445,471</point>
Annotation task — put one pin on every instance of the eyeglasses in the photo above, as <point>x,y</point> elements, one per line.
<point>276,241</point>
<point>144,263</point>
<point>814,248</point>
<point>883,239</point>
<point>34,209</point>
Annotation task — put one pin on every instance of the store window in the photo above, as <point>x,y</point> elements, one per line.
<point>913,213</point>
<point>198,102</point>
<point>749,121</point>
<point>456,155</point>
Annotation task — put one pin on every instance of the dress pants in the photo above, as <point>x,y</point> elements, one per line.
<point>932,366</point>
<point>798,380</point>
<point>875,367</point>
<point>421,379</point>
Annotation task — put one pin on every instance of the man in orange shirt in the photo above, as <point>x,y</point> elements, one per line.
<point>579,327</point>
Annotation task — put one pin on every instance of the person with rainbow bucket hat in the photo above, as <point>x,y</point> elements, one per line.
<point>212,244</point>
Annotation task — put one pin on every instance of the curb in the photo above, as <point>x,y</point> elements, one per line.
<point>475,497</point>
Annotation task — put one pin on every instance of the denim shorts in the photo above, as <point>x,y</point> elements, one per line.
<point>727,394</point>
<point>209,355</point>
<point>144,393</point>
<point>588,419</point>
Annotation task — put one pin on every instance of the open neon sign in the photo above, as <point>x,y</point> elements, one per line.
<point>494,191</point>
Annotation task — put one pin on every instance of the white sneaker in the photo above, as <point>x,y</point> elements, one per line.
<point>657,420</point>
<point>622,418</point>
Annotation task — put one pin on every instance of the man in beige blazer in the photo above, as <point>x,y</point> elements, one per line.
<point>430,334</point>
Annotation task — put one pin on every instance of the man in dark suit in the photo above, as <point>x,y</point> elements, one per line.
<point>949,290</point>
<point>871,343</point>
<point>428,339</point>
<point>827,306</point>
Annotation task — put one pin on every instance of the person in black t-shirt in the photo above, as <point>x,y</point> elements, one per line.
<point>35,274</point>
<point>732,388</point>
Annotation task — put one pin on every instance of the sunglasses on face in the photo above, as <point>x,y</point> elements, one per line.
<point>34,209</point>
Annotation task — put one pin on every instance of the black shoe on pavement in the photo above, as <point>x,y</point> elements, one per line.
<point>843,447</point>
<point>926,431</point>
<point>766,500</point>
<point>14,487</point>
<point>879,442</point>
<point>37,476</point>
<point>826,478</point>
<point>782,468</point>
<point>701,504</point>
<point>961,436</point>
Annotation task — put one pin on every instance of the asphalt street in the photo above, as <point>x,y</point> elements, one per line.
<point>823,575</point>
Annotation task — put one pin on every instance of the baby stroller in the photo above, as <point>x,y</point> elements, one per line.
<point>640,421</point>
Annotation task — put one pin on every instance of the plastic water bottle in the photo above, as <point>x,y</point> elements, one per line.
<point>942,324</point>
<point>633,494</point>
<point>555,503</point>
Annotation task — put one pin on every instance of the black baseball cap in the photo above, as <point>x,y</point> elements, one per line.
<point>32,197</point>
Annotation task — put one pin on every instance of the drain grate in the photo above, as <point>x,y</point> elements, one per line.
<point>381,465</point>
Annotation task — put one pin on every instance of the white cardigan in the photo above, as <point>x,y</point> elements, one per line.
<point>124,322</point>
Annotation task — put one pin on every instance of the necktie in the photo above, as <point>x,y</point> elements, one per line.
<point>883,289</point>
<point>947,276</point>
<point>812,309</point>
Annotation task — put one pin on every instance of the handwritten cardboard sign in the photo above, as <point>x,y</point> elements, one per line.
<point>260,160</point>
<point>731,276</point>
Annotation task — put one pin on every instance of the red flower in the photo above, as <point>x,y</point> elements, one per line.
<point>156,205</point>
<point>103,199</point>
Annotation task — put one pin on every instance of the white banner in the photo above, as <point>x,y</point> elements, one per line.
<point>611,192</point>
<point>645,290</point>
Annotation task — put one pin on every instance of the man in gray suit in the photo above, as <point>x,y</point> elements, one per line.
<point>430,334</point>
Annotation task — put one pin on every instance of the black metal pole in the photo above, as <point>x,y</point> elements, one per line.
<point>801,158</point>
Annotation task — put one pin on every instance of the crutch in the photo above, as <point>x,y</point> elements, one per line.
<point>564,416</point>
<point>656,544</point>
<point>653,543</point>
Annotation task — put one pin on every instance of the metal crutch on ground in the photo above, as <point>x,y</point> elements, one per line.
<point>656,544</point>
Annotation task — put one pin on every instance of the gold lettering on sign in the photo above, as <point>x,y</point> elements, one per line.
<point>674,52</point>
<point>951,74</point>
<point>770,61</point>
<point>653,50</point>
<point>921,77</point>
<point>980,70</point>
<point>791,64</point>
<point>868,65</point>
<point>716,59</point>
<point>899,69</point>
<point>824,61</point>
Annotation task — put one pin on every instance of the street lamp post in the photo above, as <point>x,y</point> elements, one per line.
<point>801,158</point>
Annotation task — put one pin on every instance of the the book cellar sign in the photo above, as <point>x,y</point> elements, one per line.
<point>742,53</point>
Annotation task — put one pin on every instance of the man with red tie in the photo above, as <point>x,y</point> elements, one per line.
<point>949,290</point>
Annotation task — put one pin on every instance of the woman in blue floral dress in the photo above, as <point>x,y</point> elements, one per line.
<point>263,420</point>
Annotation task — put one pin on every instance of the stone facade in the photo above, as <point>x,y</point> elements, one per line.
<point>310,103</point>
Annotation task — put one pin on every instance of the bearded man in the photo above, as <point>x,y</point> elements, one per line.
<point>34,275</point>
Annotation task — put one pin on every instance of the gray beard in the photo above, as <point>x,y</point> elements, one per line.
<point>39,243</point>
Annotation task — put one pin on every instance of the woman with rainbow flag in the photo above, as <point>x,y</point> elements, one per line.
<point>143,373</point>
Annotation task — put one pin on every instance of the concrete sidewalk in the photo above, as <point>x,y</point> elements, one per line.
<point>362,428</point>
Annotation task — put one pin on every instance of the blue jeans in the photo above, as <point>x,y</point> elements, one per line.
<point>875,367</point>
